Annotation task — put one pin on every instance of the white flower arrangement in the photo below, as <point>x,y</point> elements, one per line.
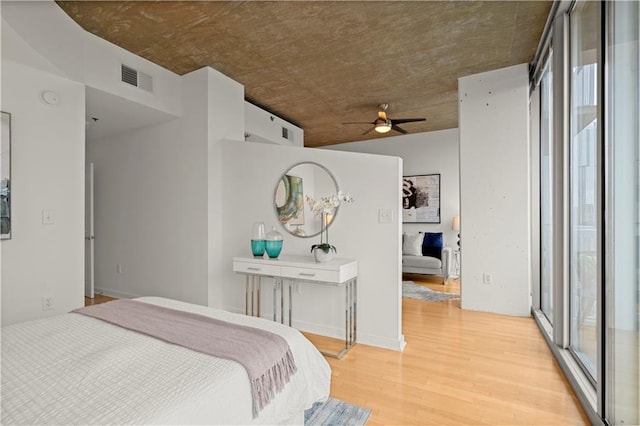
<point>326,206</point>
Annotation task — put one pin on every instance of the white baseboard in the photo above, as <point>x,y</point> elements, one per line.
<point>334,332</point>
<point>383,342</point>
<point>320,329</point>
<point>339,333</point>
<point>115,293</point>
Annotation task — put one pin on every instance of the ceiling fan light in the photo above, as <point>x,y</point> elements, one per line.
<point>382,126</point>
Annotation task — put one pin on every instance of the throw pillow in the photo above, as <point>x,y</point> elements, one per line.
<point>432,244</point>
<point>412,244</point>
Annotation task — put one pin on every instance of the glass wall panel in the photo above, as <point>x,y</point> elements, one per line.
<point>584,201</point>
<point>546,190</point>
<point>623,185</point>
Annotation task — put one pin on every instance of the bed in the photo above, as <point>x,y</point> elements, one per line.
<point>74,369</point>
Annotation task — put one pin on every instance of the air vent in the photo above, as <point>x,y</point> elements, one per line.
<point>286,133</point>
<point>129,75</point>
<point>135,78</point>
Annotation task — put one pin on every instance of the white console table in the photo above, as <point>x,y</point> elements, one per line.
<point>292,269</point>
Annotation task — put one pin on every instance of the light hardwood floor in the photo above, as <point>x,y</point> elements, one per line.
<point>99,298</point>
<point>459,367</point>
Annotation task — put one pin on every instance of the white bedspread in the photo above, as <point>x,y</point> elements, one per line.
<point>72,369</point>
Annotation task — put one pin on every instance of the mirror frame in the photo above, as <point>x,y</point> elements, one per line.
<point>275,192</point>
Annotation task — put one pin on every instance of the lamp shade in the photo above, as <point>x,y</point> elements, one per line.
<point>455,223</point>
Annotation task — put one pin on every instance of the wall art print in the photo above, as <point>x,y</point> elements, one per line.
<point>421,199</point>
<point>5,176</point>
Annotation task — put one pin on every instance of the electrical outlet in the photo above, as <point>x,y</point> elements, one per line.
<point>48,303</point>
<point>487,279</point>
<point>119,268</point>
<point>48,217</point>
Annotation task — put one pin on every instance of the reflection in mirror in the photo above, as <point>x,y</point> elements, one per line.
<point>302,180</point>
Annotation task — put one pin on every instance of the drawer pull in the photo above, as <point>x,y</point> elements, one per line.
<point>254,269</point>
<point>306,274</point>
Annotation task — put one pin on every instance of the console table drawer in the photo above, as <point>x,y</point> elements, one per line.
<point>257,269</point>
<point>308,274</point>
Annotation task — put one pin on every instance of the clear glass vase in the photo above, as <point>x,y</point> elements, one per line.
<point>258,243</point>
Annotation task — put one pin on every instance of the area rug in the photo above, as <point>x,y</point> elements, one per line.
<point>336,413</point>
<point>414,291</point>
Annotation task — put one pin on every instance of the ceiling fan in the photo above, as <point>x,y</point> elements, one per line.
<point>384,124</point>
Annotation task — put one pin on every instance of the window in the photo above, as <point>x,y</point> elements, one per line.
<point>546,189</point>
<point>623,187</point>
<point>585,205</point>
<point>590,204</point>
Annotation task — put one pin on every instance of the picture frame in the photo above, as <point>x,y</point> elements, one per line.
<point>5,176</point>
<point>421,198</point>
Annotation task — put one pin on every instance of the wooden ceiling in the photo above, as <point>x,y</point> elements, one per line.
<point>318,64</point>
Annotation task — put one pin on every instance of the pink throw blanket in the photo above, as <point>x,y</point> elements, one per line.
<point>265,355</point>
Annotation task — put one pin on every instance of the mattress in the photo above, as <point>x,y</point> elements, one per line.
<point>73,369</point>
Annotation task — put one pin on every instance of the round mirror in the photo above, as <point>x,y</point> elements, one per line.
<point>293,211</point>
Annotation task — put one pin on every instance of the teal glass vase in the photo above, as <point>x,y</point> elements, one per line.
<point>273,243</point>
<point>258,247</point>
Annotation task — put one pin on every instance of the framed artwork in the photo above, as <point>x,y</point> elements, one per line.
<point>5,176</point>
<point>290,200</point>
<point>421,199</point>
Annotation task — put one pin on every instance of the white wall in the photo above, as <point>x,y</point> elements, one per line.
<point>261,126</point>
<point>47,30</point>
<point>102,65</point>
<point>47,171</point>
<point>157,195</point>
<point>424,153</point>
<point>150,204</point>
<point>54,53</point>
<point>64,48</point>
<point>251,172</point>
<point>225,121</point>
<point>494,166</point>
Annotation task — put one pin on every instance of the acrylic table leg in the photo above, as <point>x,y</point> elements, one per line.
<point>258,282</point>
<point>351,310</point>
<point>253,296</point>
<point>346,316</point>
<point>281,301</point>
<point>246,295</point>
<point>290,304</point>
<point>355,308</point>
<point>275,286</point>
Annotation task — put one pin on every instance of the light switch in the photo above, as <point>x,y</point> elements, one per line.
<point>48,217</point>
<point>384,215</point>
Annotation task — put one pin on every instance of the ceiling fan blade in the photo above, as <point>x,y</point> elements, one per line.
<point>382,115</point>
<point>399,129</point>
<point>407,120</point>
<point>368,131</point>
<point>359,122</point>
